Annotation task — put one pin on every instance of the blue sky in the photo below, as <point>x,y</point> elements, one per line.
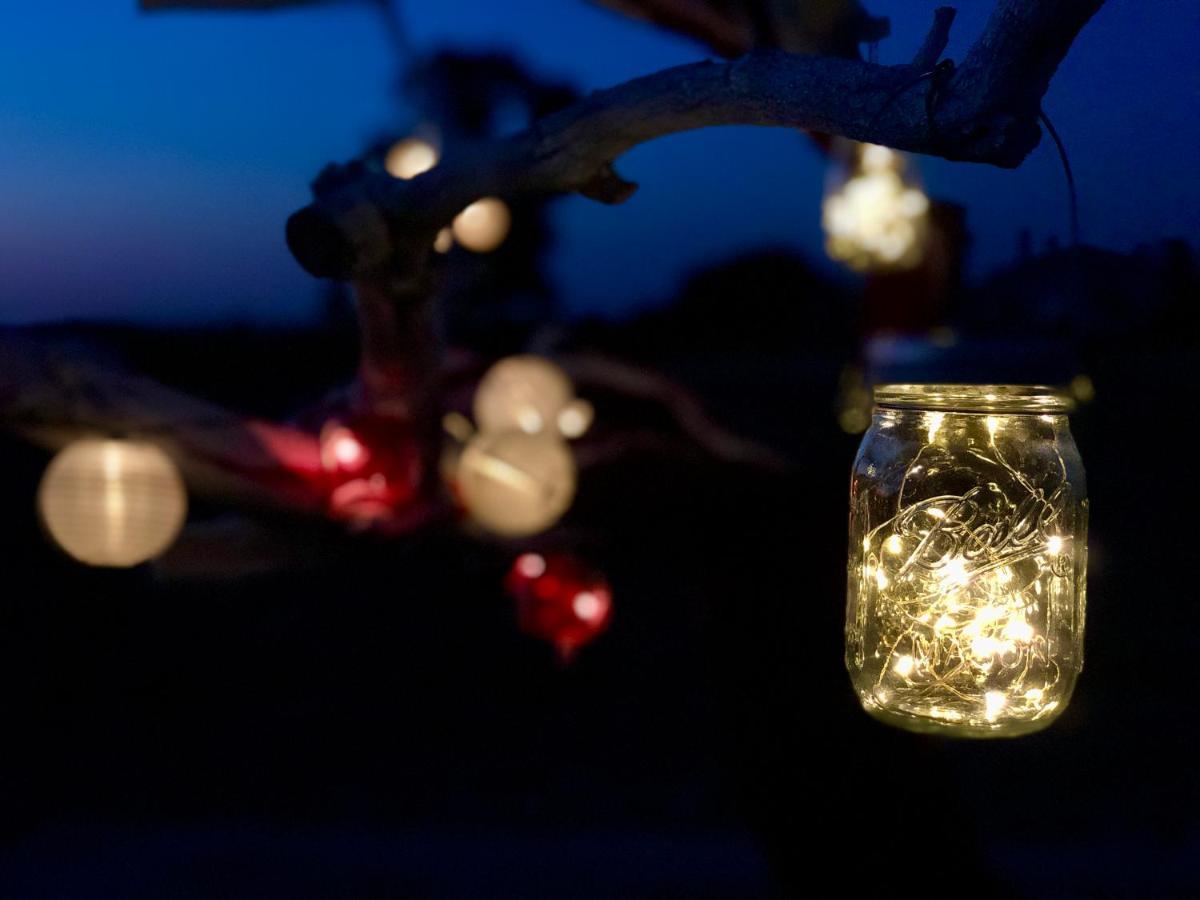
<point>148,162</point>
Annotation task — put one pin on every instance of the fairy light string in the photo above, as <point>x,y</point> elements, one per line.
<point>964,596</point>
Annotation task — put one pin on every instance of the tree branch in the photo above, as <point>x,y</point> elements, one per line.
<point>364,221</point>
<point>937,39</point>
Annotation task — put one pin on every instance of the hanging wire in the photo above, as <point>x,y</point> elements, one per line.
<point>1072,193</point>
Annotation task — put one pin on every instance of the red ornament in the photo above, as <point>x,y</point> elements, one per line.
<point>559,599</point>
<point>373,465</point>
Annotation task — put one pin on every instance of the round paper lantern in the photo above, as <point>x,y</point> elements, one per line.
<point>522,393</point>
<point>410,157</point>
<point>483,226</point>
<point>112,503</point>
<point>513,483</point>
<point>559,599</point>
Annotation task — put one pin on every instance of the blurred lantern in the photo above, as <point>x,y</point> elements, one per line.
<point>854,402</point>
<point>560,600</point>
<point>112,503</point>
<point>575,418</point>
<point>526,393</point>
<point>513,483</point>
<point>1082,389</point>
<point>873,219</point>
<point>373,463</point>
<point>444,241</point>
<point>409,157</point>
<point>483,226</point>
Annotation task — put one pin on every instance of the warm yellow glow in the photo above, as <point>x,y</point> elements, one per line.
<point>875,220</point>
<point>513,483</point>
<point>483,226</point>
<point>527,393</point>
<point>933,423</point>
<point>410,157</point>
<point>965,610</point>
<point>994,702</point>
<point>112,503</point>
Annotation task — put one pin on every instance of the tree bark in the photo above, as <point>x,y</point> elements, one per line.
<point>364,221</point>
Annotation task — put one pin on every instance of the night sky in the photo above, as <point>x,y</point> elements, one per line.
<point>148,162</point>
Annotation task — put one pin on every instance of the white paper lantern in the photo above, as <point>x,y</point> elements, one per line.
<point>112,503</point>
<point>523,393</point>
<point>410,157</point>
<point>482,226</point>
<point>515,484</point>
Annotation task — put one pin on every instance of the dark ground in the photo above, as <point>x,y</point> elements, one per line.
<point>368,723</point>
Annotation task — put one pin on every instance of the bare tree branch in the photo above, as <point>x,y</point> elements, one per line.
<point>365,222</point>
<point>937,39</point>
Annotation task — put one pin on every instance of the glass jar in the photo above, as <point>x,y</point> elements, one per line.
<point>968,559</point>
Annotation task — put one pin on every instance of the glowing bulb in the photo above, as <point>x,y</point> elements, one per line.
<point>994,702</point>
<point>1054,545</point>
<point>894,545</point>
<point>575,418</point>
<point>944,623</point>
<point>904,666</point>
<point>881,579</point>
<point>514,483</point>
<point>112,503</point>
<point>587,606</point>
<point>954,573</point>
<point>483,226</point>
<point>1018,630</point>
<point>531,565</point>
<point>522,392</point>
<point>410,157</point>
<point>933,423</point>
<point>993,425</point>
<point>1034,695</point>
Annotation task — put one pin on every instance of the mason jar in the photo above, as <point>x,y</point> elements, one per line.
<point>968,559</point>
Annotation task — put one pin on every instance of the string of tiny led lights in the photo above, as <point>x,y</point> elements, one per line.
<point>966,630</point>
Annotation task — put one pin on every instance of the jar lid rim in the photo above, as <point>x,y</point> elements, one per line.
<point>1010,398</point>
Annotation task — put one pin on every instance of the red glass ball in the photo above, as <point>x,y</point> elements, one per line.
<point>373,465</point>
<point>559,599</point>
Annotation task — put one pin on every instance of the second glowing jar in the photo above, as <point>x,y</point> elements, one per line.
<point>968,559</point>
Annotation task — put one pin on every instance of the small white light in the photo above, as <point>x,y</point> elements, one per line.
<point>410,157</point>
<point>994,701</point>
<point>587,606</point>
<point>483,226</point>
